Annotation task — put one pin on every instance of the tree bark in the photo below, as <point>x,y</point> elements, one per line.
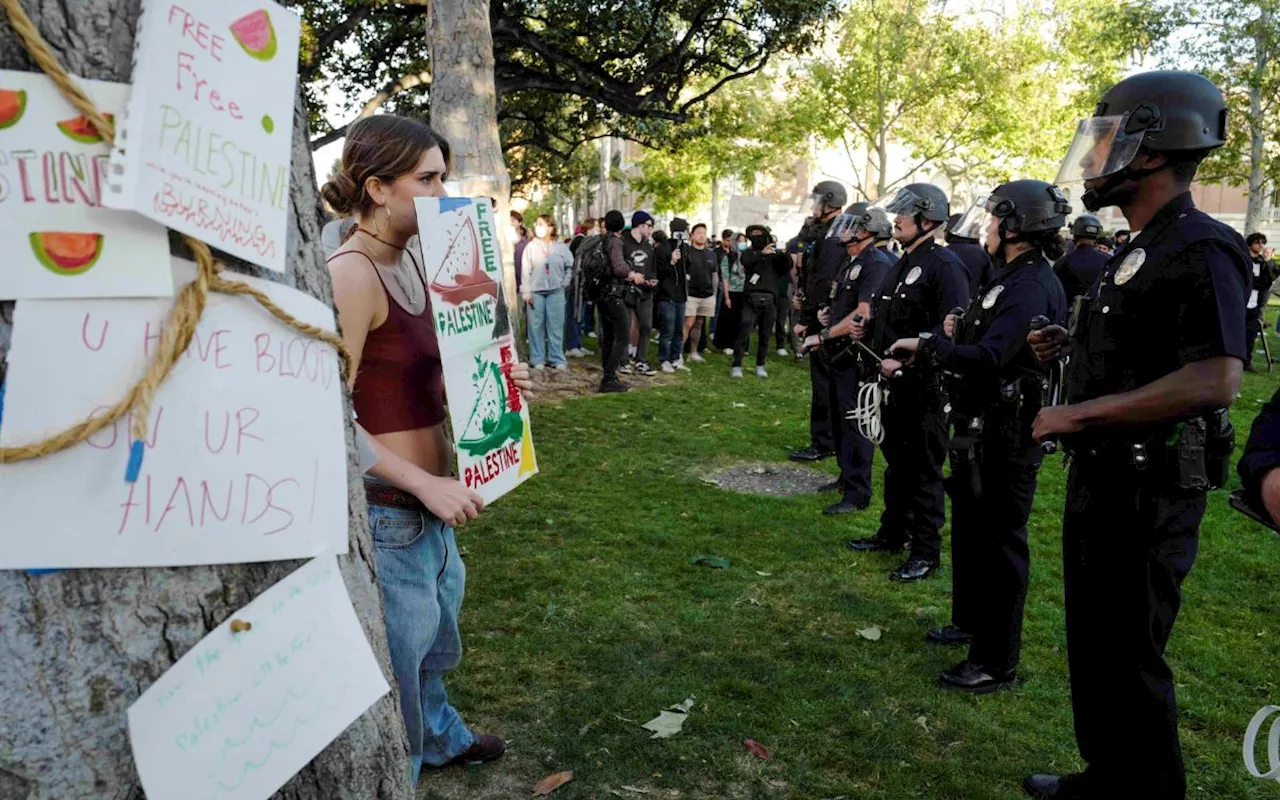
<point>78,647</point>
<point>1257,124</point>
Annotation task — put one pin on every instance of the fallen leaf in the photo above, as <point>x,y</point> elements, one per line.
<point>637,790</point>
<point>923,723</point>
<point>871,634</point>
<point>777,422</point>
<point>715,562</point>
<point>739,405</point>
<point>705,425</point>
<point>666,724</point>
<point>764,574</point>
<point>552,782</point>
<point>756,749</point>
<point>623,415</point>
<point>685,706</point>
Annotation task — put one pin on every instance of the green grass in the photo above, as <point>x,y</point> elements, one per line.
<point>583,619</point>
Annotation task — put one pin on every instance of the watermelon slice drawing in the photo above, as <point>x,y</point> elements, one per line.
<point>67,253</point>
<point>256,35</point>
<point>81,129</point>
<point>12,106</point>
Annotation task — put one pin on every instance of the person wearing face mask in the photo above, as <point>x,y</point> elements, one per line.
<point>823,257</point>
<point>763,270</point>
<point>994,383</point>
<point>548,268</point>
<point>917,294</point>
<point>397,386</point>
<point>1155,354</point>
<point>729,320</point>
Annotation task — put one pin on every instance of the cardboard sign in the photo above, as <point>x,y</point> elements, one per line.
<point>245,458</point>
<point>206,144</point>
<point>745,210</point>
<point>463,271</point>
<point>241,713</point>
<point>57,238</point>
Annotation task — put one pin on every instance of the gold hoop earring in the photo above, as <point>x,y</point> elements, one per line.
<point>379,231</point>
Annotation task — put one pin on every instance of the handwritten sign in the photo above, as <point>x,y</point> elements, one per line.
<point>746,210</point>
<point>464,277</point>
<point>245,458</point>
<point>57,238</point>
<point>241,713</point>
<point>206,143</point>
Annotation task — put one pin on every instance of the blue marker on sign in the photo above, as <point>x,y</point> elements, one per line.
<point>135,462</point>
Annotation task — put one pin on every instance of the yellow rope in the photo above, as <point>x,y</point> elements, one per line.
<point>188,306</point>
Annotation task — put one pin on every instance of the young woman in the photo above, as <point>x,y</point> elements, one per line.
<point>547,267</point>
<point>415,502</point>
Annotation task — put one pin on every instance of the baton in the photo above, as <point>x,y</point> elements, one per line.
<point>958,313</point>
<point>858,318</point>
<point>1053,384</point>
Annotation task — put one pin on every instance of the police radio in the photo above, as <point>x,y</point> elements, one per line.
<point>1052,384</point>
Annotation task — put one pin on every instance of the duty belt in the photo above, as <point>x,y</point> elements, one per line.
<point>1138,455</point>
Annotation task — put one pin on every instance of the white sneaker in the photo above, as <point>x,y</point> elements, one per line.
<point>539,366</point>
<point>591,334</point>
<point>736,372</point>
<point>698,359</point>
<point>782,351</point>
<point>760,373</point>
<point>680,365</point>
<point>728,351</point>
<point>573,353</point>
<point>667,368</point>
<point>584,352</point>
<point>563,367</point>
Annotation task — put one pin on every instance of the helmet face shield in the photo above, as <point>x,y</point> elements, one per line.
<point>842,227</point>
<point>973,223</point>
<point>1100,148</point>
<point>905,203</point>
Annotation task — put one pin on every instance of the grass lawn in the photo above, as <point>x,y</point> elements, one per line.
<point>584,618</point>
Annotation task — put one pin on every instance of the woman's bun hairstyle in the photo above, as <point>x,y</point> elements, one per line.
<point>383,146</point>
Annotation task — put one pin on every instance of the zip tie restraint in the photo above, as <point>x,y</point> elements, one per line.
<point>188,305</point>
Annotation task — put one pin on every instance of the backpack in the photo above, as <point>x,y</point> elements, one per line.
<point>592,266</point>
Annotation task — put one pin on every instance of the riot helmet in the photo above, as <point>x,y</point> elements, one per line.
<point>827,194</point>
<point>874,222</point>
<point>857,209</point>
<point>1086,226</point>
<point>922,200</point>
<point>1023,207</point>
<point>953,226</point>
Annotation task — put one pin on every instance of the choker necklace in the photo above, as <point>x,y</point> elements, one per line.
<point>378,238</point>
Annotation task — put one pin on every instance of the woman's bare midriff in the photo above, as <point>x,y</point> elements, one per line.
<point>428,449</point>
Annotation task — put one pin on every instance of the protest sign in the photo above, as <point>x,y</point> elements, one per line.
<point>205,145</point>
<point>254,702</point>
<point>745,210</point>
<point>57,238</point>
<point>245,458</point>
<point>464,277</point>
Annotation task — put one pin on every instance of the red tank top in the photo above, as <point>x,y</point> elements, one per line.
<point>400,385</point>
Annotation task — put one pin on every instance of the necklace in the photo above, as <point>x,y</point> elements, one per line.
<point>407,287</point>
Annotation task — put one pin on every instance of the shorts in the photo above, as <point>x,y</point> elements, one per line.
<point>700,307</point>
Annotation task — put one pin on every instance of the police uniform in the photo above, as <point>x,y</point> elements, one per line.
<point>1174,295</point>
<point>994,382</point>
<point>977,264</point>
<point>1079,270</point>
<point>915,296</point>
<point>856,283</point>
<point>821,266</point>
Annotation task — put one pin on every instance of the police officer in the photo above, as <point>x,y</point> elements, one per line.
<point>1264,274</point>
<point>1078,269</point>
<point>916,295</point>
<point>977,263</point>
<point>1155,356</point>
<point>856,283</point>
<point>822,259</point>
<point>994,382</point>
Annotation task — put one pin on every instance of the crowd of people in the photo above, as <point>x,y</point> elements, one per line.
<point>981,337</point>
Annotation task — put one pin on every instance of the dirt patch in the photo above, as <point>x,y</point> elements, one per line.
<point>769,479</point>
<point>583,378</point>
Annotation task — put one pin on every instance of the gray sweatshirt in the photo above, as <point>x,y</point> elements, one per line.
<point>545,268</point>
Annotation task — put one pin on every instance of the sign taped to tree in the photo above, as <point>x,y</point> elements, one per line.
<point>242,712</point>
<point>57,237</point>
<point>206,143</point>
<point>246,456</point>
<point>464,277</point>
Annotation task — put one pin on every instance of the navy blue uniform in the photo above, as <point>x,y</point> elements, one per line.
<point>821,267</point>
<point>915,296</point>
<point>1079,270</point>
<point>1174,295</point>
<point>857,282</point>
<point>994,382</point>
<point>977,264</point>
<point>1261,453</point>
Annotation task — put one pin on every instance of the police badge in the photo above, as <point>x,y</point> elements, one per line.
<point>914,275</point>
<point>855,272</point>
<point>1129,267</point>
<point>990,299</point>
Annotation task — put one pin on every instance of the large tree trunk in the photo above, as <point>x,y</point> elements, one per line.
<point>77,647</point>
<point>1257,124</point>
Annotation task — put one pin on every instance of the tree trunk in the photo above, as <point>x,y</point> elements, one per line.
<point>78,647</point>
<point>464,109</point>
<point>1257,124</point>
<point>715,205</point>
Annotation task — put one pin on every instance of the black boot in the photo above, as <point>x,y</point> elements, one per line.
<point>977,679</point>
<point>914,569</point>
<point>1052,787</point>
<point>811,453</point>
<point>948,635</point>
<point>876,544</point>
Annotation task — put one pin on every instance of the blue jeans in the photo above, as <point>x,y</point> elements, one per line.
<point>423,580</point>
<point>572,328</point>
<point>670,330</point>
<point>546,329</point>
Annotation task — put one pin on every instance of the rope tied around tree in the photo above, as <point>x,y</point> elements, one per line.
<point>189,303</point>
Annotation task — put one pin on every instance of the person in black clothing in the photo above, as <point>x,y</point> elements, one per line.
<point>672,294</point>
<point>580,317</point>
<point>994,381</point>
<point>614,319</point>
<point>1156,352</point>
<point>822,259</point>
<point>1264,274</point>
<point>974,257</point>
<point>857,282</point>
<point>1121,238</point>
<point>637,251</point>
<point>764,269</point>
<point>702,266</point>
<point>1259,467</point>
<point>1078,269</point>
<point>915,297</point>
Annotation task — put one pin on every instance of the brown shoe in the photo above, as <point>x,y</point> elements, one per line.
<point>483,749</point>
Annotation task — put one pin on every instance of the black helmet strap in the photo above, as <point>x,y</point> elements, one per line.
<point>1095,199</point>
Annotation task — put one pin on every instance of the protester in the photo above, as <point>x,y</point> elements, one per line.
<point>672,295</point>
<point>784,314</point>
<point>547,269</point>
<point>580,321</point>
<point>729,320</point>
<point>637,251</point>
<point>763,270</point>
<point>1121,238</point>
<point>1264,274</point>
<point>726,252</point>
<point>614,315</point>
<point>702,267</point>
<point>397,385</point>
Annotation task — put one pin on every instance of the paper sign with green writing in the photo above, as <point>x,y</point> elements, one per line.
<point>241,713</point>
